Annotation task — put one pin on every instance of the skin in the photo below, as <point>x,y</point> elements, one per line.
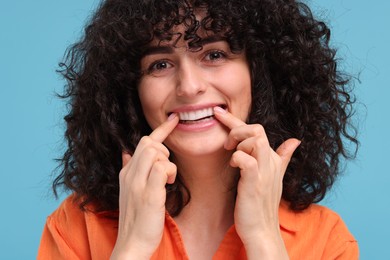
<point>192,78</point>
<point>142,195</point>
<point>213,75</point>
<point>259,188</point>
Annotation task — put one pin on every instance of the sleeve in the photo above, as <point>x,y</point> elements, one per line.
<point>341,244</point>
<point>65,235</point>
<point>350,251</point>
<point>53,245</point>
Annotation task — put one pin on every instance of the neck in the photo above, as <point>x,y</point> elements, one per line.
<point>211,182</point>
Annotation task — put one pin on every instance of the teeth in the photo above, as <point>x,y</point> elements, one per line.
<point>197,114</point>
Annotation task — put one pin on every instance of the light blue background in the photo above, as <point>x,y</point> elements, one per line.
<point>33,37</point>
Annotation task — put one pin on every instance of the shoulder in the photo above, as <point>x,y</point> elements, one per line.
<point>328,221</point>
<point>68,214</point>
<point>315,217</point>
<point>71,218</point>
<point>68,206</point>
<point>64,233</point>
<point>69,222</point>
<point>318,229</point>
<point>73,233</point>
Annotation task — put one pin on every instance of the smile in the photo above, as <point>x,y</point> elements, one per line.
<point>196,114</point>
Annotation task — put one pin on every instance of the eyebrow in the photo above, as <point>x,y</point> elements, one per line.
<point>168,49</point>
<point>150,50</point>
<point>212,39</point>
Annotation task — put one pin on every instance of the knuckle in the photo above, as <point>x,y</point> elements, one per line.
<point>244,161</point>
<point>233,134</point>
<point>257,129</point>
<point>164,149</point>
<point>159,166</point>
<point>173,166</point>
<point>251,163</point>
<point>150,151</point>
<point>236,155</point>
<point>145,140</point>
<point>260,141</point>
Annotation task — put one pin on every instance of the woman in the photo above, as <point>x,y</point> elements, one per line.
<point>200,130</point>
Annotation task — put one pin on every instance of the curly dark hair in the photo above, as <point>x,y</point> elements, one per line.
<point>297,90</point>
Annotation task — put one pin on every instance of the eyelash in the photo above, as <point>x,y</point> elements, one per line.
<point>153,66</point>
<point>219,52</point>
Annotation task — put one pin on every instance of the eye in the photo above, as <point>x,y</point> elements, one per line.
<point>159,66</point>
<point>215,55</point>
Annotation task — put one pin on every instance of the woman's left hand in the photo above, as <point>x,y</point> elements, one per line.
<point>260,186</point>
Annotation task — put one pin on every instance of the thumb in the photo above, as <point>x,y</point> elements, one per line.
<point>126,157</point>
<point>286,150</point>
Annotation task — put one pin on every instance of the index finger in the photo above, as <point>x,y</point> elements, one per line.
<point>161,132</point>
<point>227,118</point>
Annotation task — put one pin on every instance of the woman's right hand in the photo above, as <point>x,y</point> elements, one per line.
<point>142,195</point>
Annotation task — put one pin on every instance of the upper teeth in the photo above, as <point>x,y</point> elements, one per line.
<point>197,114</point>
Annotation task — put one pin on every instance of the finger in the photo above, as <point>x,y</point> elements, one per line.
<point>126,157</point>
<point>162,172</point>
<point>247,164</point>
<point>286,150</point>
<point>243,132</point>
<point>144,142</point>
<point>145,162</point>
<point>137,171</point>
<point>147,141</point>
<point>227,118</point>
<point>258,147</point>
<point>161,132</point>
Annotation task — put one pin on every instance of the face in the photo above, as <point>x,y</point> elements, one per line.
<point>191,83</point>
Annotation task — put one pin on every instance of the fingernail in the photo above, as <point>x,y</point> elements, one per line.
<point>219,110</point>
<point>171,116</point>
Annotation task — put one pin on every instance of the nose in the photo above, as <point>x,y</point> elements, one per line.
<point>190,82</point>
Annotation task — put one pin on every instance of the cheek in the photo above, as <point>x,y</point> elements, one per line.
<point>145,99</point>
<point>149,104</point>
<point>238,84</point>
<point>239,90</point>
<point>153,100</point>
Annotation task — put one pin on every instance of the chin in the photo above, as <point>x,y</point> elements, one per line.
<point>198,146</point>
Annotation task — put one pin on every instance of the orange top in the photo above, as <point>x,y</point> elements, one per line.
<point>315,233</point>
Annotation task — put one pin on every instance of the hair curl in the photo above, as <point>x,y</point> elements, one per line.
<point>297,90</point>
